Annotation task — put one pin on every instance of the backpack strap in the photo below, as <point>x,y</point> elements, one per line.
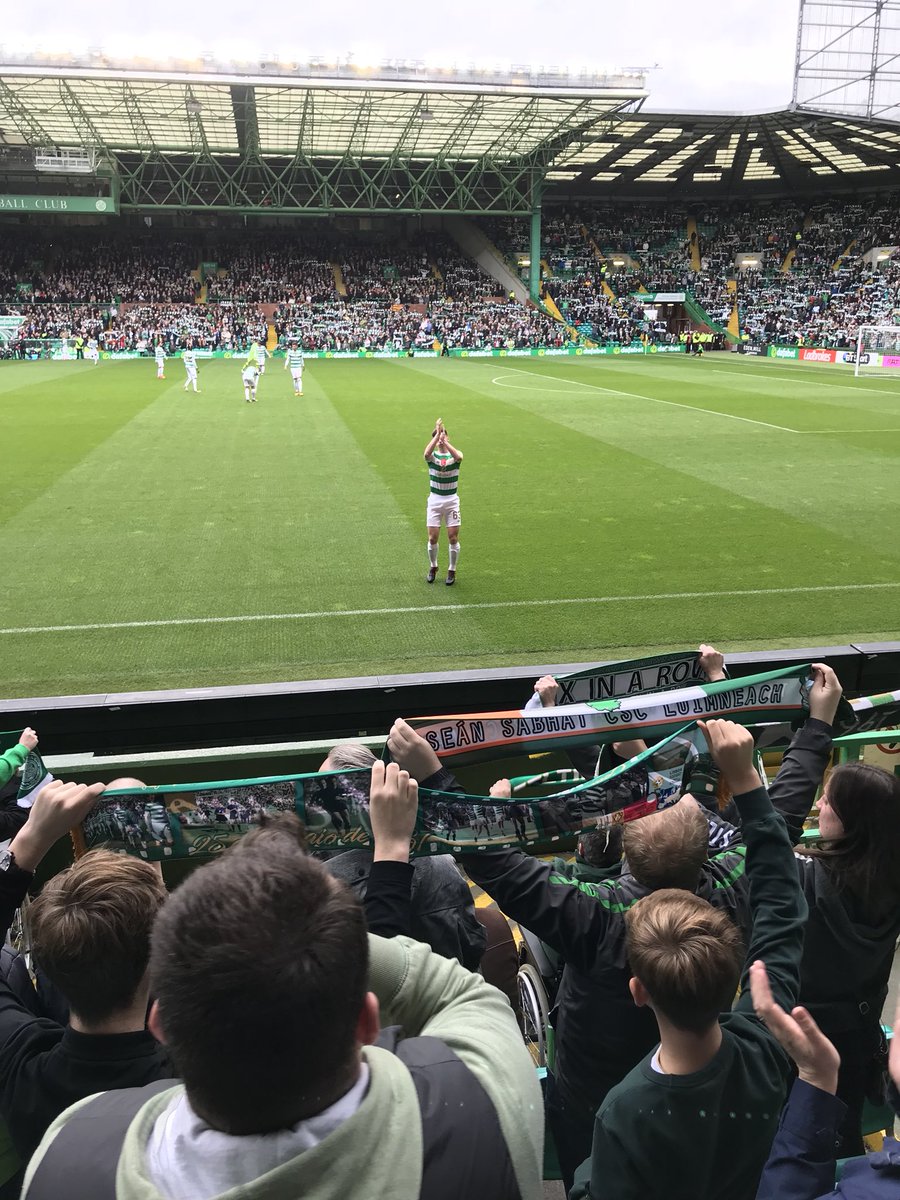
<point>81,1161</point>
<point>456,1111</point>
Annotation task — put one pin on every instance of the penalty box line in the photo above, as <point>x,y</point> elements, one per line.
<point>440,608</point>
<point>654,400</point>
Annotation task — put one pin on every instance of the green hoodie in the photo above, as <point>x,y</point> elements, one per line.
<point>11,761</point>
<point>382,1142</point>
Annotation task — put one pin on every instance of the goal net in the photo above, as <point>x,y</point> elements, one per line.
<point>878,350</point>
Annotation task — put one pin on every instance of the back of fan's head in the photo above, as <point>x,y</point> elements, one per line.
<point>668,849</point>
<point>687,954</point>
<point>259,965</point>
<point>90,931</point>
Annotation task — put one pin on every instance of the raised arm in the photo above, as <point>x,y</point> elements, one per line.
<point>435,438</point>
<point>15,756</point>
<point>802,1159</point>
<point>793,790</point>
<point>445,445</point>
<point>393,805</point>
<point>778,908</point>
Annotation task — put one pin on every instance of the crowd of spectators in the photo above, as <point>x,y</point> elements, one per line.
<point>99,267</point>
<point>372,325</point>
<point>794,271</point>
<point>334,294</point>
<point>284,1025</point>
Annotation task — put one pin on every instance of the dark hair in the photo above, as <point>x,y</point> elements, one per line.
<point>259,965</point>
<point>90,930</point>
<point>687,954</point>
<point>865,861</point>
<point>601,847</point>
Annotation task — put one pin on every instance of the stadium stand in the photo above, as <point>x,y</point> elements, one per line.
<point>773,270</point>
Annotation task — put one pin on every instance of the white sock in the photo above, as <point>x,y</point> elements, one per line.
<point>432,554</point>
<point>454,555</point>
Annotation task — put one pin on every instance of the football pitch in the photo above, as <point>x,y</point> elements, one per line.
<point>155,539</point>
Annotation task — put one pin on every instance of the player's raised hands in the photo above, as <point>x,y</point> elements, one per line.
<point>825,693</point>
<point>393,805</point>
<point>411,751</point>
<point>28,739</point>
<point>817,1060</point>
<point>731,745</point>
<point>712,662</point>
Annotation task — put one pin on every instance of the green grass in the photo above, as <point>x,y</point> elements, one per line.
<point>125,500</point>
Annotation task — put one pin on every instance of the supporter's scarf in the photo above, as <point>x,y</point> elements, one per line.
<point>33,772</point>
<point>201,820</point>
<point>637,676</point>
<point>773,697</point>
<point>875,712</point>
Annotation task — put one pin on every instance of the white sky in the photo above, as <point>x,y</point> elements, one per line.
<point>708,56</point>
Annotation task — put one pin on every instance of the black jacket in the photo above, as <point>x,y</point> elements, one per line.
<point>45,1066</point>
<point>442,913</point>
<point>600,1033</point>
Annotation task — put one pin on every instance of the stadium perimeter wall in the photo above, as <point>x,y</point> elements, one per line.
<point>325,711</point>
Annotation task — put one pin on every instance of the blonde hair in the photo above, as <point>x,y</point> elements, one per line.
<point>668,849</point>
<point>687,954</point>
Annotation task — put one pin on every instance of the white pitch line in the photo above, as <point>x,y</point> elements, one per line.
<point>835,387</point>
<point>848,430</point>
<point>653,399</point>
<point>439,608</point>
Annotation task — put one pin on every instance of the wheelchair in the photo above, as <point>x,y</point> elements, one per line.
<point>537,982</point>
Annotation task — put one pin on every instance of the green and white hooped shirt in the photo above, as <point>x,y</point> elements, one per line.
<point>443,473</point>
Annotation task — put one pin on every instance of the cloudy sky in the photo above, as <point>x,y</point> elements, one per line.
<point>707,56</point>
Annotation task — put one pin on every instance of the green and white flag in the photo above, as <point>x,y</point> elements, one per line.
<point>775,697</point>
<point>33,773</point>
<point>881,711</point>
<point>200,820</point>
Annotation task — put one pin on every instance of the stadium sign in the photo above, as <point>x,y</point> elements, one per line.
<point>784,352</point>
<point>828,356</point>
<point>63,204</point>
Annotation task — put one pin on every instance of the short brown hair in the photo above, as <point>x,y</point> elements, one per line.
<point>259,966</point>
<point>668,849</point>
<point>687,954</point>
<point>90,930</point>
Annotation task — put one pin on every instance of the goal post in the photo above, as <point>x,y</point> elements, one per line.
<point>877,350</point>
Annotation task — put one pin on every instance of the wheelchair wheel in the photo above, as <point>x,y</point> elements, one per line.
<point>535,1012</point>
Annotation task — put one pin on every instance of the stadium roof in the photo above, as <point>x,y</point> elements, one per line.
<point>324,138</point>
<point>743,155</point>
<point>316,110</point>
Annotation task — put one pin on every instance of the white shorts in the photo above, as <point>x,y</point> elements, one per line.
<point>191,372</point>
<point>442,510</point>
<point>250,377</point>
<point>297,374</point>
